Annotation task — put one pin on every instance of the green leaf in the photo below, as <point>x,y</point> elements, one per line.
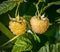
<point>55,47</point>
<point>58,10</point>
<point>23,43</point>
<point>45,48</point>
<point>36,38</point>
<point>50,48</point>
<point>6,31</point>
<point>6,6</point>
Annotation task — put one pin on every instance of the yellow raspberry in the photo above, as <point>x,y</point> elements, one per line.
<point>18,27</point>
<point>39,25</point>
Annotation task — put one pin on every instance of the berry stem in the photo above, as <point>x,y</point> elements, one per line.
<point>48,5</point>
<point>16,12</point>
<point>37,7</point>
<point>10,40</point>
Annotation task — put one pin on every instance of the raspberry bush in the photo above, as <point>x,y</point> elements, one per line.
<point>30,26</point>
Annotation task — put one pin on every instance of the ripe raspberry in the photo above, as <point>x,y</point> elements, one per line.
<point>39,25</point>
<point>18,27</point>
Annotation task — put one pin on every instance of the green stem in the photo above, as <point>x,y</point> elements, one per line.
<point>9,41</point>
<point>38,7</point>
<point>28,25</point>
<point>37,10</point>
<point>16,12</point>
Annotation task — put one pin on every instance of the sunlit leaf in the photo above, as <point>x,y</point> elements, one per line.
<point>23,43</point>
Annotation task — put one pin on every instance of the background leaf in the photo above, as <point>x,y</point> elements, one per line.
<point>6,31</point>
<point>6,6</point>
<point>58,10</point>
<point>50,48</point>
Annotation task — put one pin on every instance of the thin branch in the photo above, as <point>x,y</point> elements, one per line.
<point>10,41</point>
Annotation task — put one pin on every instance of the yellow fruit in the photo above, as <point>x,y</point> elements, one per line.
<point>18,27</point>
<point>39,25</point>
